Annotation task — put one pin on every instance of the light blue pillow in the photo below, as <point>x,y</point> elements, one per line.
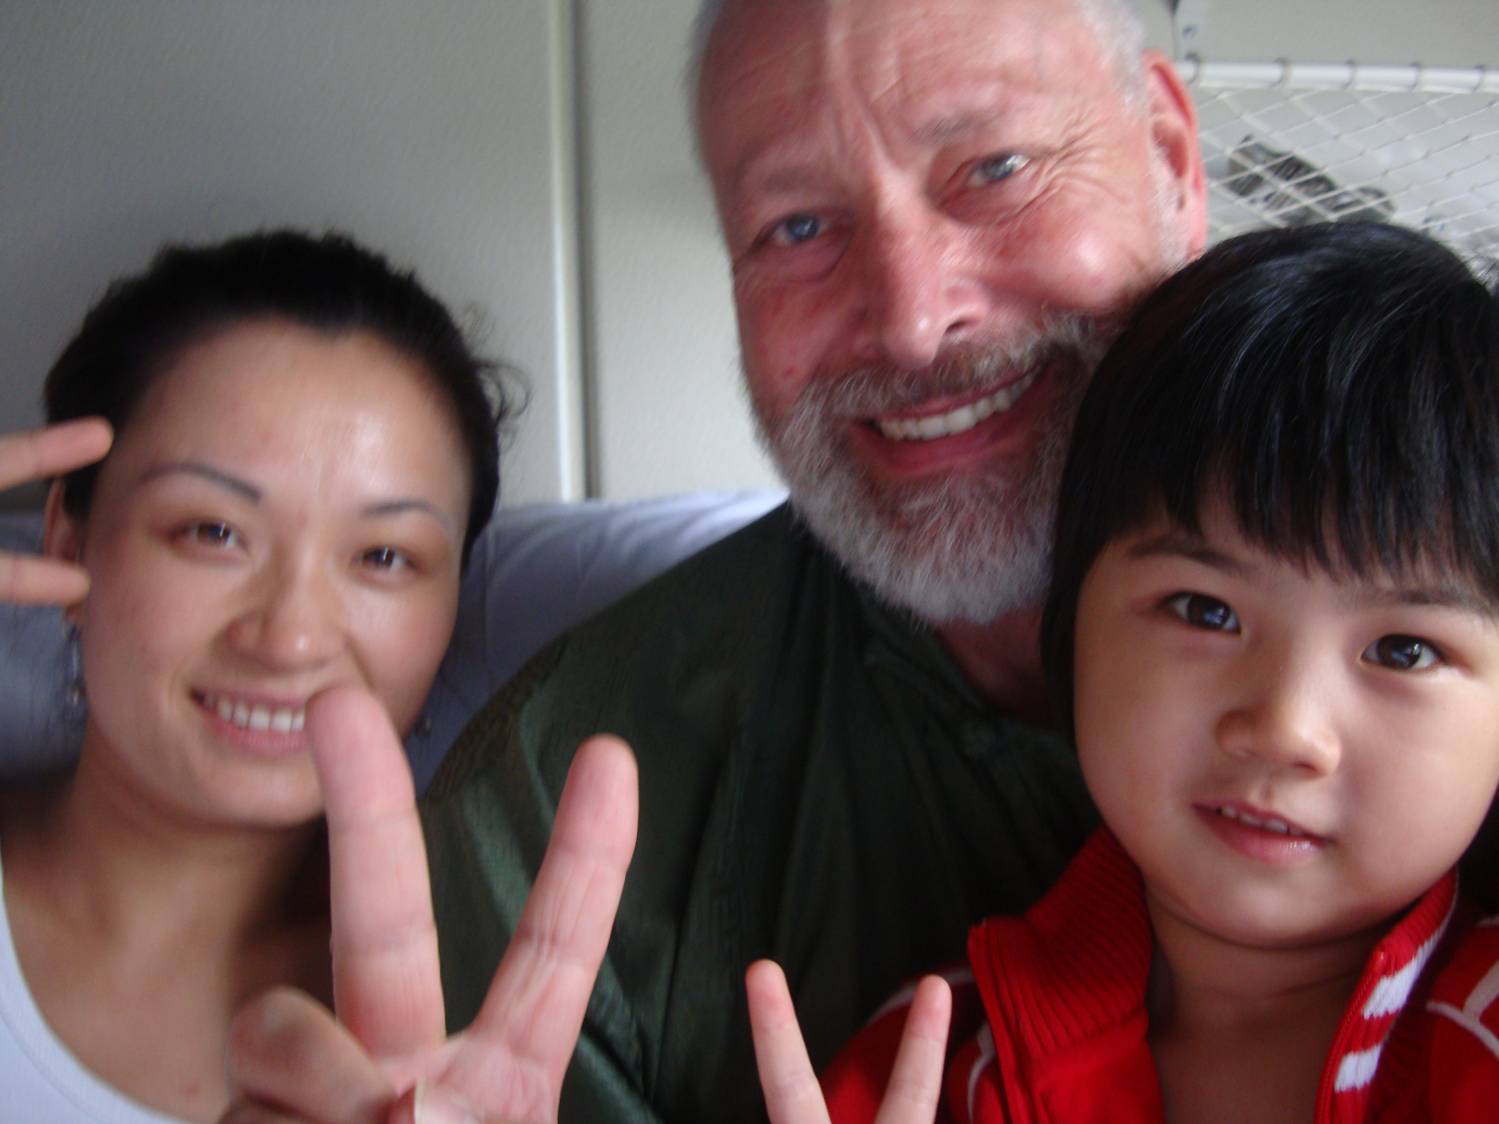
<point>39,727</point>
<point>536,571</point>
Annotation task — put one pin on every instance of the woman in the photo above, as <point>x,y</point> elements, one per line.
<point>304,450</point>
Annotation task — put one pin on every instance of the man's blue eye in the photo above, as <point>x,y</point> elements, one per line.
<point>992,169</point>
<point>795,229</point>
<point>1201,611</point>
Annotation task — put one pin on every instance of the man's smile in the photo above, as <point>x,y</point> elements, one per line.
<point>957,419</point>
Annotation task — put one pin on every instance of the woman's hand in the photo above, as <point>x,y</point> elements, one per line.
<point>37,454</point>
<point>386,1059</point>
<point>792,1094</point>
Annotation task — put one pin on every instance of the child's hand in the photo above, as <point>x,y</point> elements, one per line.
<point>792,1094</point>
<point>36,454</point>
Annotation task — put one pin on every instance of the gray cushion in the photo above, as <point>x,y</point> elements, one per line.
<point>536,571</point>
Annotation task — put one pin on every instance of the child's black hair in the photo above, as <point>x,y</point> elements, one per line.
<point>1336,387</point>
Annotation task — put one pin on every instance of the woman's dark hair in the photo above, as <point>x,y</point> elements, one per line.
<point>1336,387</point>
<point>328,284</point>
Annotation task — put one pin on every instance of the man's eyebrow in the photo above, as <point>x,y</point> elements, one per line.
<point>768,170</point>
<point>954,126</point>
<point>205,472</point>
<point>1180,544</point>
<point>762,174</point>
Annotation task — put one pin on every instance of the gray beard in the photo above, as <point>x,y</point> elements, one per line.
<point>961,546</point>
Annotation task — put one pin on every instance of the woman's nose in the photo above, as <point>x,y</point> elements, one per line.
<point>294,620</point>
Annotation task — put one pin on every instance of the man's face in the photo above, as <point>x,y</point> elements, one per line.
<point>934,214</point>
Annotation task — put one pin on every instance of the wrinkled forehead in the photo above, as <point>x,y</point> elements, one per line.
<point>913,67</point>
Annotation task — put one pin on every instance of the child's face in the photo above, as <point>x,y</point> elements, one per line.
<point>1288,756</point>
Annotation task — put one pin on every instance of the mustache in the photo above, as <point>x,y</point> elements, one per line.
<point>878,388</point>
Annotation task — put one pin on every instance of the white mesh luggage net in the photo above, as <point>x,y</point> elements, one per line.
<point>1289,143</point>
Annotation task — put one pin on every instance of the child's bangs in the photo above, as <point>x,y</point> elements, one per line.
<point>1351,422</point>
<point>1336,388</point>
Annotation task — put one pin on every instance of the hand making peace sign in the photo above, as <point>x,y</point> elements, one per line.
<point>32,455</point>
<point>386,1058</point>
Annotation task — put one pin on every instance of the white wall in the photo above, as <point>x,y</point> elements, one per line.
<point>1431,32</point>
<point>662,349</point>
<point>429,130</point>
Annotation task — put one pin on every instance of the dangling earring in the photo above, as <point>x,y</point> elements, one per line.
<point>74,692</point>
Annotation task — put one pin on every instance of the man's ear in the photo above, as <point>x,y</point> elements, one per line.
<point>62,535</point>
<point>1173,133</point>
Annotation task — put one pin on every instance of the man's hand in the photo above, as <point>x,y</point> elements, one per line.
<point>792,1094</point>
<point>385,1059</point>
<point>32,455</point>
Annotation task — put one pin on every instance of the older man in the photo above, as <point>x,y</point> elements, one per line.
<point>935,215</point>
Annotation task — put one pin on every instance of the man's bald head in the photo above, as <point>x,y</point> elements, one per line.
<point>1116,22</point>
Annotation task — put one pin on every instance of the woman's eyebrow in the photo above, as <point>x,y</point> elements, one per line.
<point>254,494</point>
<point>401,506</point>
<point>207,472</point>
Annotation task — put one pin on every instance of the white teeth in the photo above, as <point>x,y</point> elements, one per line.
<point>279,719</point>
<point>1280,827</point>
<point>958,420</point>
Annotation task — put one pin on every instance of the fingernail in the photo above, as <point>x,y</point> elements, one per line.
<point>433,1104</point>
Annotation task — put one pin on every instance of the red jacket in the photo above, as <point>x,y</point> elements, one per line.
<point>1050,1025</point>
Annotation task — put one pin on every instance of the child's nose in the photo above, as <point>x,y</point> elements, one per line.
<point>1283,722</point>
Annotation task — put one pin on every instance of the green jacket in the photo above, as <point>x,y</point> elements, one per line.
<point>819,784</point>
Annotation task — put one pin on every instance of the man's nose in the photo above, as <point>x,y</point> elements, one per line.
<point>292,619</point>
<point>917,292</point>
<point>1282,719</point>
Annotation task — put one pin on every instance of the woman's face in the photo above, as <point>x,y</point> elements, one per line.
<point>284,512</point>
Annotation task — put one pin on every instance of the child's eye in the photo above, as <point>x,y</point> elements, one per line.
<point>1202,611</point>
<point>1402,653</point>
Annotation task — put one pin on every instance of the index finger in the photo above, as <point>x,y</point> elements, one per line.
<point>915,1083</point>
<point>26,579</point>
<point>36,454</point>
<point>787,1079</point>
<point>386,986</point>
<point>534,1008</point>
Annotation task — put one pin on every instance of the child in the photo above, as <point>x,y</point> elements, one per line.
<point>1275,614</point>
